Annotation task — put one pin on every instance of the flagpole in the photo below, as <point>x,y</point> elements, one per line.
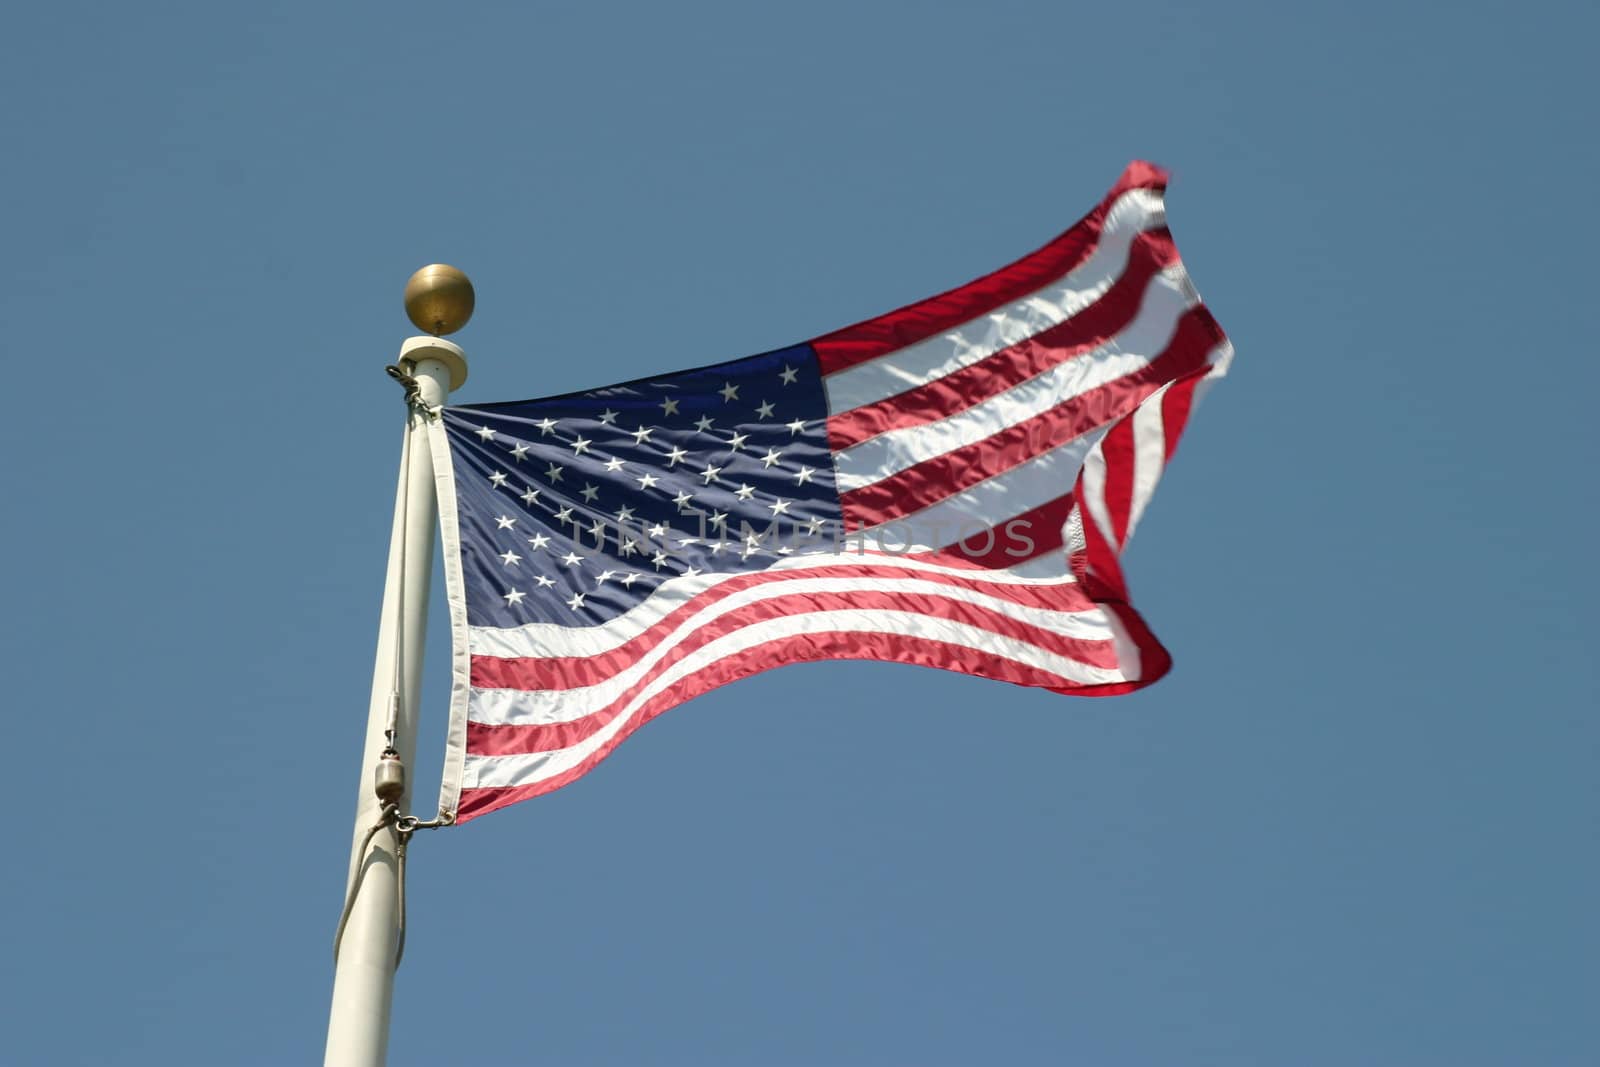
<point>439,299</point>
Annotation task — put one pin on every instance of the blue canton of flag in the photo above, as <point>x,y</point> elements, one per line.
<point>574,508</point>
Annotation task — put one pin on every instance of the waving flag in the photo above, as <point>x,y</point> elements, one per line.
<point>951,485</point>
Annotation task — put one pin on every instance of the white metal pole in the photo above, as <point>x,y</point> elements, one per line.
<point>363,984</point>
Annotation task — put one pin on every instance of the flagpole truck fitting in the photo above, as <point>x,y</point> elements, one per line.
<point>438,299</point>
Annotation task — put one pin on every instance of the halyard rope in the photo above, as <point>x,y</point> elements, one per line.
<point>404,827</point>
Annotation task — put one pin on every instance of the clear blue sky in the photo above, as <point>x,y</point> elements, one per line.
<point>1355,826</point>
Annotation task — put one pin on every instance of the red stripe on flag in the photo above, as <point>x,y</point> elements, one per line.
<point>1175,408</point>
<point>916,322</point>
<point>1088,329</point>
<point>1117,448</point>
<point>909,491</point>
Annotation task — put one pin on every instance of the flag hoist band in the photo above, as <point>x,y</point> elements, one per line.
<point>951,484</point>
<point>368,939</point>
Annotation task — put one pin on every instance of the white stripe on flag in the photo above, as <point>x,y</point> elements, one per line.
<point>1093,499</point>
<point>1149,454</point>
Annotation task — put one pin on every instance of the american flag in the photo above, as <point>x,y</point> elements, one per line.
<point>951,484</point>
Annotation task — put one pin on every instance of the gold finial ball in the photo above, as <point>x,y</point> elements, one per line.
<point>439,299</point>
